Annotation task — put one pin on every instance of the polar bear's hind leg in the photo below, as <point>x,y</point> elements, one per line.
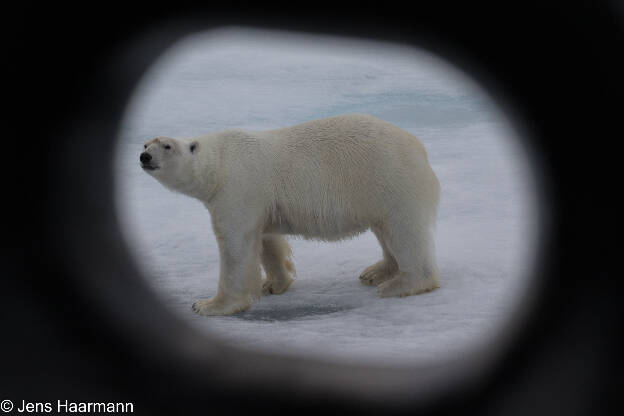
<point>417,269</point>
<point>384,269</point>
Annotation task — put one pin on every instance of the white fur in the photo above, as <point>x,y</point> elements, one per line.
<point>327,179</point>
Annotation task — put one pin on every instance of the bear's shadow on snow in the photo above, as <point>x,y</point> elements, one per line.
<point>290,313</point>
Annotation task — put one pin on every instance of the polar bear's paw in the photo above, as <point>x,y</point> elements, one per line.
<point>218,307</point>
<point>376,274</point>
<point>276,287</point>
<point>403,285</point>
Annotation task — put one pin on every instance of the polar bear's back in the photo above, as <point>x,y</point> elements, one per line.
<point>336,141</point>
<point>347,172</point>
<point>349,129</point>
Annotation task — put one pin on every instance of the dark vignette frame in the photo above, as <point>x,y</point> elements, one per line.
<point>82,327</point>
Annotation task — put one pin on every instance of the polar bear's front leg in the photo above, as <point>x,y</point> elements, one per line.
<point>239,277</point>
<point>276,260</point>
<point>219,306</point>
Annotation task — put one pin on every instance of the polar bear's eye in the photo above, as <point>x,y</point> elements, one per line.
<point>144,146</point>
<point>167,147</point>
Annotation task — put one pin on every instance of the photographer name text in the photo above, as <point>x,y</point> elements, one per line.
<point>66,406</point>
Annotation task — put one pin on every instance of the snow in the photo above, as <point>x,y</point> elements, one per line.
<point>255,80</point>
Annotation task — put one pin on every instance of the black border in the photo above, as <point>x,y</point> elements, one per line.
<point>67,81</point>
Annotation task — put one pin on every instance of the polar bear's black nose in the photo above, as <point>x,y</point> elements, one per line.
<point>145,157</point>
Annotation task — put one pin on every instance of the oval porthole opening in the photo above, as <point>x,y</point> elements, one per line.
<point>487,236</point>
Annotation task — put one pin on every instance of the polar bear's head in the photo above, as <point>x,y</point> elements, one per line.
<point>170,161</point>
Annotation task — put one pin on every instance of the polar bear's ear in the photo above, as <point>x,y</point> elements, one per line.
<point>194,146</point>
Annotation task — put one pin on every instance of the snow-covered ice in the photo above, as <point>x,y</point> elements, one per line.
<point>255,80</point>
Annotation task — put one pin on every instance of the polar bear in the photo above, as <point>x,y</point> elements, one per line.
<point>326,179</point>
